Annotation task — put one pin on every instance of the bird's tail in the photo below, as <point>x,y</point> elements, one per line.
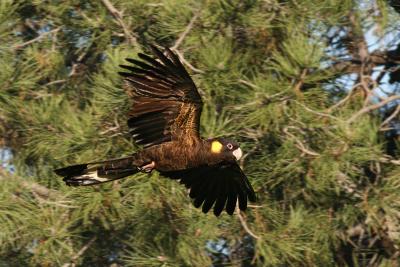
<point>98,172</point>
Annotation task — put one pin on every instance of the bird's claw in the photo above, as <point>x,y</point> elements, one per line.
<point>147,168</point>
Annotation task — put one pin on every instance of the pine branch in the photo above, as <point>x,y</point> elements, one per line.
<point>372,107</point>
<point>300,82</point>
<point>118,17</point>
<point>79,253</point>
<point>376,59</point>
<point>40,37</point>
<point>299,144</point>
<point>186,31</point>
<point>317,112</point>
<point>391,117</point>
<point>244,224</point>
<point>388,159</point>
<point>184,61</point>
<point>343,100</point>
<point>35,188</point>
<point>252,85</point>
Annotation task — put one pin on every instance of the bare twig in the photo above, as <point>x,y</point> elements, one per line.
<point>344,100</point>
<point>185,32</point>
<point>389,160</point>
<point>73,69</point>
<point>305,150</point>
<point>111,129</point>
<point>251,151</point>
<point>376,58</point>
<point>300,145</point>
<point>317,112</point>
<point>41,36</point>
<point>84,248</point>
<point>254,206</point>
<point>190,66</point>
<point>155,4</point>
<point>244,224</point>
<point>351,92</point>
<point>300,82</point>
<point>79,253</point>
<point>366,86</point>
<point>372,107</point>
<point>55,82</point>
<point>391,117</point>
<point>118,17</point>
<point>252,85</point>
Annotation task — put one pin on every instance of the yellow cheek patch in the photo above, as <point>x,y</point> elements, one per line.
<point>216,147</point>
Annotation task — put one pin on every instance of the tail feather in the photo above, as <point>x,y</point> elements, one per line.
<point>71,170</point>
<point>97,172</point>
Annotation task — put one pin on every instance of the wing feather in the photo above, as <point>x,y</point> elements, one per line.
<point>221,199</point>
<point>232,197</point>
<point>242,199</point>
<point>220,186</point>
<point>212,197</point>
<point>164,98</point>
<point>203,192</point>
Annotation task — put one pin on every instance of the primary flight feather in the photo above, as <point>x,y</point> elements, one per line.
<point>165,120</point>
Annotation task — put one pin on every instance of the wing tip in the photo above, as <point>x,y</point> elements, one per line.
<point>154,47</point>
<point>217,212</point>
<point>251,194</point>
<point>124,74</point>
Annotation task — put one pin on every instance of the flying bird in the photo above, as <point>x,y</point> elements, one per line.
<point>165,121</point>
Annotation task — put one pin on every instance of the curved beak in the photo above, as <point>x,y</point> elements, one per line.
<point>237,153</point>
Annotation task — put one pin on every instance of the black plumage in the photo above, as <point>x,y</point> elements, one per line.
<point>165,120</point>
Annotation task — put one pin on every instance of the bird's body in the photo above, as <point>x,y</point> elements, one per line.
<point>174,155</point>
<point>165,120</point>
<point>181,155</point>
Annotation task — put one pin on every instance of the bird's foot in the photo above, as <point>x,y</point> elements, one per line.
<point>148,167</point>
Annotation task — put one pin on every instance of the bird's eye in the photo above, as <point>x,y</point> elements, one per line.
<point>229,146</point>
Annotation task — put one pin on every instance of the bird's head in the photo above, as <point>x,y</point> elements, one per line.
<point>225,148</point>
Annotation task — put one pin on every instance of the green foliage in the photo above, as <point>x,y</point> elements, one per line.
<point>262,68</point>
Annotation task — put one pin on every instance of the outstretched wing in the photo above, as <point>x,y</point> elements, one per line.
<point>166,103</point>
<point>220,185</point>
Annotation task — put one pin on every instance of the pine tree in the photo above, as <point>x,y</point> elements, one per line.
<point>308,88</point>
